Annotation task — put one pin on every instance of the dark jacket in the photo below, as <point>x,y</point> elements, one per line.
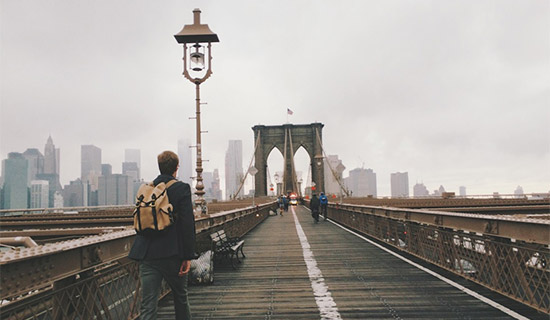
<point>314,204</point>
<point>179,239</point>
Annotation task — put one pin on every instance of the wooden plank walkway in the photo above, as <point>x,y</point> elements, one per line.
<point>353,279</point>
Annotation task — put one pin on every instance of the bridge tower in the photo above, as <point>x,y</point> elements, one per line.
<point>288,138</point>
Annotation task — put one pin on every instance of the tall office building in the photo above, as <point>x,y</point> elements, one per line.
<point>40,194</point>
<point>51,165</point>
<point>36,163</point>
<point>207,178</point>
<point>400,185</point>
<point>2,174</point>
<point>90,169</point>
<point>462,191</point>
<point>185,171</point>
<point>362,183</point>
<point>332,186</point>
<point>131,169</point>
<point>216,191</point>
<point>116,189</point>
<point>51,157</point>
<point>106,169</point>
<point>75,194</point>
<point>133,155</point>
<point>420,190</point>
<point>15,189</point>
<point>233,169</point>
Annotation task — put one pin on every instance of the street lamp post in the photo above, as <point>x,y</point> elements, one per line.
<point>194,37</point>
<point>253,172</point>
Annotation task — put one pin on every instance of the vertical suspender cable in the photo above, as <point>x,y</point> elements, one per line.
<point>250,164</point>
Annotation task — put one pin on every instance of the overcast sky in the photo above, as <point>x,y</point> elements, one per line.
<point>453,92</point>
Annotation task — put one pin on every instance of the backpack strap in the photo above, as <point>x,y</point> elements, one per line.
<point>170,183</point>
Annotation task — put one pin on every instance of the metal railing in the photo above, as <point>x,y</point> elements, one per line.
<point>91,277</point>
<point>508,255</point>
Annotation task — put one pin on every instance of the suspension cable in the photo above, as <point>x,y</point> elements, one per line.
<point>342,187</point>
<point>250,164</point>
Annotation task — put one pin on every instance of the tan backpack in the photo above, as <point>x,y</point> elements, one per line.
<point>153,211</point>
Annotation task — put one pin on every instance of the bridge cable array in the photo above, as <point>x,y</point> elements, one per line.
<point>342,187</point>
<point>249,165</point>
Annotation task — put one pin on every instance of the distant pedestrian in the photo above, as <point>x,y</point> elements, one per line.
<point>281,203</point>
<point>323,200</point>
<point>314,207</point>
<point>286,200</point>
<point>167,254</point>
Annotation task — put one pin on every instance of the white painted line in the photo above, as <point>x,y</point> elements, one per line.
<point>323,297</point>
<point>442,278</point>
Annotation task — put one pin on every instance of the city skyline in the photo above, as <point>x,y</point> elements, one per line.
<point>453,92</point>
<point>136,157</point>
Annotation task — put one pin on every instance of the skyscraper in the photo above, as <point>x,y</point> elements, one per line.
<point>115,189</point>
<point>75,194</point>
<point>185,155</point>
<point>51,166</point>
<point>16,190</point>
<point>133,155</point>
<point>233,169</point>
<point>462,191</point>
<point>106,169</point>
<point>216,191</point>
<point>207,178</point>
<point>36,163</point>
<point>400,185</point>
<point>131,169</point>
<point>51,157</point>
<point>40,194</point>
<point>362,182</point>
<point>90,170</point>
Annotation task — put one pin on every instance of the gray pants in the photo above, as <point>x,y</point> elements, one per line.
<point>151,273</point>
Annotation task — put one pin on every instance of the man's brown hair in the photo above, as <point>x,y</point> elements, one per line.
<point>168,162</point>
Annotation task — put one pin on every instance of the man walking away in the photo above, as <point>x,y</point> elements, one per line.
<point>167,254</point>
<point>314,207</point>
<point>323,200</point>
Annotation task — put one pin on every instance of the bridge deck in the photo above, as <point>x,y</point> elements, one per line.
<point>363,281</point>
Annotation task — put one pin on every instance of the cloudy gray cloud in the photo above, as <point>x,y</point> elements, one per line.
<point>454,92</point>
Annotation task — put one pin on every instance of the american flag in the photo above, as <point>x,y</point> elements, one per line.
<point>288,111</point>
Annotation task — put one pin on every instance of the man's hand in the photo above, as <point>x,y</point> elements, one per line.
<point>184,269</point>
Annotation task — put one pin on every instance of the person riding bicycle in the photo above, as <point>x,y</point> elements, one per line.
<point>323,201</point>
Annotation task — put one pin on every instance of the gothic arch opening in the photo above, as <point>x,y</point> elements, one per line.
<point>302,166</point>
<point>275,167</point>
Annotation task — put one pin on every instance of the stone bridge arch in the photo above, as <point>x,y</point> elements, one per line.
<point>267,138</point>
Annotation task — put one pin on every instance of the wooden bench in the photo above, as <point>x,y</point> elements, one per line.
<point>225,247</point>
